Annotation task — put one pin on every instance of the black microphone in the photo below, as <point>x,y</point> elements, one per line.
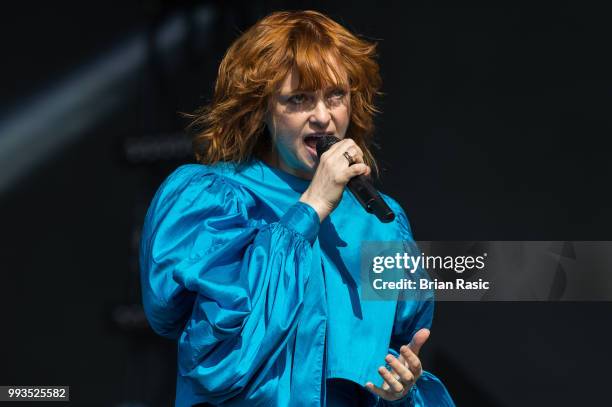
<point>361,187</point>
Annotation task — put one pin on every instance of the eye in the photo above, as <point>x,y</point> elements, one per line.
<point>337,93</point>
<point>298,99</point>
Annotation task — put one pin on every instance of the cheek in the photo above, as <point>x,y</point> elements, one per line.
<point>343,117</point>
<point>347,117</point>
<point>288,135</point>
<point>290,128</point>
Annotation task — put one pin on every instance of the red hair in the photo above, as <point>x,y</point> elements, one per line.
<point>231,127</point>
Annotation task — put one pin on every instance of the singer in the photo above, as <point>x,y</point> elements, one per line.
<point>251,258</point>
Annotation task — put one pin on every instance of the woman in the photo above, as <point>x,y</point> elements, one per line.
<point>251,258</point>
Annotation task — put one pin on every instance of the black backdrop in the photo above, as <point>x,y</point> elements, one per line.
<point>494,127</point>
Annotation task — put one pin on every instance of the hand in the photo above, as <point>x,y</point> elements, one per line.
<point>332,175</point>
<point>406,370</point>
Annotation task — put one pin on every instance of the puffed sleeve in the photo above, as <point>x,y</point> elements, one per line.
<point>230,286</point>
<point>414,312</point>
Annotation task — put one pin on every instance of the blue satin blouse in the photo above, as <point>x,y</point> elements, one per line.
<point>262,297</point>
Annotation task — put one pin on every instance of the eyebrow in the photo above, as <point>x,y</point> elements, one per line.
<point>333,87</point>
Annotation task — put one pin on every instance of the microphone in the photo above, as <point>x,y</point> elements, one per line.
<point>361,187</point>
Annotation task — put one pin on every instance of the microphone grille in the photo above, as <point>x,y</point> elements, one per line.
<point>324,143</point>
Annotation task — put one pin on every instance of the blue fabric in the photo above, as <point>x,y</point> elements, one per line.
<point>344,393</point>
<point>263,299</point>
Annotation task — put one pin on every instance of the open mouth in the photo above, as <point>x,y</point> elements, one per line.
<point>311,141</point>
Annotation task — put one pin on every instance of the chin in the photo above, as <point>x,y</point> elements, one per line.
<point>309,163</point>
<point>307,166</point>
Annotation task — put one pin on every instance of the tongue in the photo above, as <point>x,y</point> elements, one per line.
<point>311,141</point>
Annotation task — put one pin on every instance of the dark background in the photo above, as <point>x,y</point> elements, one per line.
<point>495,126</point>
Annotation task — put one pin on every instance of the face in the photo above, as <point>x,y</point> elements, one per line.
<point>296,119</point>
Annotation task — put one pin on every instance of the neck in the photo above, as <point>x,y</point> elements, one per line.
<point>273,160</point>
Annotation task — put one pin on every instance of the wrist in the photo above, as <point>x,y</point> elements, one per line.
<point>317,205</point>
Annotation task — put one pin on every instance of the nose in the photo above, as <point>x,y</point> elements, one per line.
<point>320,114</point>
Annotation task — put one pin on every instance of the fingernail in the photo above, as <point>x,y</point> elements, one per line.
<point>389,358</point>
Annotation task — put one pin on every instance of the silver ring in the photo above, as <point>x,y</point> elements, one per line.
<point>349,158</point>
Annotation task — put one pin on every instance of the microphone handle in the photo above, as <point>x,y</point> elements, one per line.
<point>369,198</point>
